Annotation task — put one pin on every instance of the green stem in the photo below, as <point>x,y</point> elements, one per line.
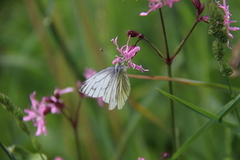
<point>169,68</point>
<point>164,33</point>
<point>230,88</point>
<point>232,95</point>
<point>74,123</point>
<point>184,40</point>
<point>155,48</point>
<point>75,129</point>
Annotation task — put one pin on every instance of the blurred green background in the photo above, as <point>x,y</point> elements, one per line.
<point>47,44</point>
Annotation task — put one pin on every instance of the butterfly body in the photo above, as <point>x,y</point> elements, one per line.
<point>112,84</point>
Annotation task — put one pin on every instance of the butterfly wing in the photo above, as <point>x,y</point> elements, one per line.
<point>96,85</point>
<point>118,89</point>
<point>123,88</point>
<point>112,84</point>
<point>110,94</point>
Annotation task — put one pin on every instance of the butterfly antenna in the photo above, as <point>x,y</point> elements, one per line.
<point>106,53</point>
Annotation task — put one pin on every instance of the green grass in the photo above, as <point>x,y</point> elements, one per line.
<point>48,44</point>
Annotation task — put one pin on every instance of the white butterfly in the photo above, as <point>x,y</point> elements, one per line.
<point>112,84</point>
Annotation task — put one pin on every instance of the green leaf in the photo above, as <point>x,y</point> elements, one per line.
<point>204,113</point>
<point>36,144</point>
<point>17,112</point>
<point>16,152</point>
<point>26,155</point>
<point>220,114</point>
<point>205,127</point>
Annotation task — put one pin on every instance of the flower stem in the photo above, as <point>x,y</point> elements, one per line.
<point>184,40</point>
<point>169,68</point>
<point>75,129</point>
<point>155,48</point>
<point>230,87</point>
<point>74,123</point>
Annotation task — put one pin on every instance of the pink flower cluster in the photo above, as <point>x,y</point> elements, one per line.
<point>39,110</point>
<point>127,53</point>
<point>227,20</point>
<point>155,4</point>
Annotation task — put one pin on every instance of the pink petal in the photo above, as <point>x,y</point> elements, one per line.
<point>89,72</point>
<point>66,90</point>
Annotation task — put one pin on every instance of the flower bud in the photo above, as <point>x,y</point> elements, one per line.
<point>165,155</point>
<point>204,19</point>
<point>132,33</point>
<point>141,36</point>
<point>46,110</point>
<point>225,69</point>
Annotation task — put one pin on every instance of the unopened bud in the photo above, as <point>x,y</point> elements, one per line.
<point>141,36</point>
<point>132,33</point>
<point>204,19</point>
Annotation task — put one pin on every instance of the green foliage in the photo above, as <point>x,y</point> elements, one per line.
<point>48,44</point>
<point>19,153</point>
<point>16,111</point>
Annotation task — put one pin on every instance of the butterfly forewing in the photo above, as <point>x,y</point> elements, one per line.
<point>96,85</point>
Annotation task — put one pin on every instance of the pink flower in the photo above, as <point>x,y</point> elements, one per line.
<point>227,20</point>
<point>58,158</point>
<point>37,114</point>
<point>165,155</point>
<point>89,72</point>
<point>38,110</point>
<point>54,102</point>
<point>141,158</point>
<point>155,4</point>
<point>127,53</point>
<point>58,92</point>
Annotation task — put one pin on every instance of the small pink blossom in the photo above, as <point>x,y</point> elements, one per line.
<point>100,102</point>
<point>37,114</point>
<point>58,91</point>
<point>89,72</point>
<point>39,110</point>
<point>137,67</point>
<point>155,4</point>
<point>127,53</point>
<point>227,20</point>
<point>141,158</point>
<point>54,102</point>
<point>165,155</point>
<point>58,158</point>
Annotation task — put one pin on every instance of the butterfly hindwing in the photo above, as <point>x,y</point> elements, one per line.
<point>110,94</point>
<point>123,89</point>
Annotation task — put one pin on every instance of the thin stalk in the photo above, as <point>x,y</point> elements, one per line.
<point>232,95</point>
<point>169,68</point>
<point>75,129</point>
<point>184,40</point>
<point>155,48</point>
<point>74,123</point>
<point>230,88</point>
